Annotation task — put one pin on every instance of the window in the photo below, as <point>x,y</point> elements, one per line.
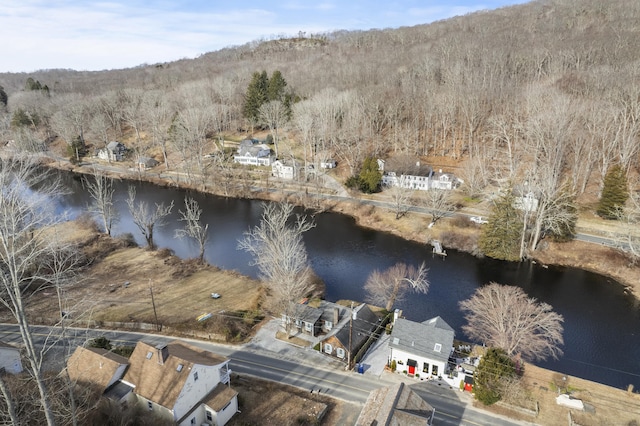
<point>328,325</point>
<point>149,355</point>
<point>195,376</point>
<point>193,421</point>
<point>425,368</point>
<point>150,405</point>
<point>438,347</point>
<point>179,368</point>
<point>209,416</point>
<point>327,348</point>
<point>340,353</point>
<point>434,370</point>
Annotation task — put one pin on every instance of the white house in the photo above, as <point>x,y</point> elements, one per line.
<point>114,151</point>
<point>253,154</point>
<point>440,180</point>
<point>421,347</point>
<point>528,201</point>
<point>183,383</point>
<point>10,358</point>
<point>284,169</point>
<point>410,175</point>
<point>180,382</point>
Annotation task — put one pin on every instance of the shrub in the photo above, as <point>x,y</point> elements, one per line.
<point>127,240</point>
<point>394,366</point>
<point>100,342</point>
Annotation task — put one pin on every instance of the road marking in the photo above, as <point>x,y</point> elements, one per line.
<point>300,374</point>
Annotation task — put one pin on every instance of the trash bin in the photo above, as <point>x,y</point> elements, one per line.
<point>361,368</point>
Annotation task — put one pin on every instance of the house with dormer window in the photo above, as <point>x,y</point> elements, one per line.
<point>176,381</point>
<point>421,348</point>
<point>182,382</point>
<point>253,153</point>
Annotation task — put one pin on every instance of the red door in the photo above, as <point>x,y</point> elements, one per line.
<point>412,369</point>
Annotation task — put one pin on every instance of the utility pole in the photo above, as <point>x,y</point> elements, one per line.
<point>350,333</point>
<point>153,302</point>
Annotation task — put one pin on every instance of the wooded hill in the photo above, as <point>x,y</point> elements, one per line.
<point>546,92</point>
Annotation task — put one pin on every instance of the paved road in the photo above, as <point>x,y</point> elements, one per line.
<point>452,407</point>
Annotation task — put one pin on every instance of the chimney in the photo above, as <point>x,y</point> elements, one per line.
<point>163,353</point>
<point>336,316</point>
<point>396,314</point>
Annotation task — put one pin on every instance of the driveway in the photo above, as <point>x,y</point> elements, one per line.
<point>377,356</point>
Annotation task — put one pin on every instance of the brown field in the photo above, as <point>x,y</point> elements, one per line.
<point>117,286</point>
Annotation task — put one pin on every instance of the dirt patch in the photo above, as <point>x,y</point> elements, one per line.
<point>267,403</point>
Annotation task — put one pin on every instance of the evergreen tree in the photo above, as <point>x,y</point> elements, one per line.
<point>370,176</point>
<point>614,194</point>
<point>256,96</point>
<point>3,96</point>
<point>32,84</point>
<point>276,87</point>
<point>501,237</point>
<point>494,368</point>
<point>22,118</point>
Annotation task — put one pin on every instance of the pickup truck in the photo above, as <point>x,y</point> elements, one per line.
<point>478,219</point>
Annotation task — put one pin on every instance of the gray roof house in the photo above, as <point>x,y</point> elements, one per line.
<point>421,348</point>
<point>145,163</point>
<point>252,152</point>
<point>114,151</point>
<point>361,327</point>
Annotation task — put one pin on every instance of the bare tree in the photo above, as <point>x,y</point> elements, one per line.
<point>505,317</point>
<point>280,254</point>
<point>401,197</point>
<point>26,245</point>
<point>193,227</point>
<point>627,237</point>
<point>9,401</point>
<point>145,217</point>
<point>436,202</point>
<point>392,285</point>
<point>100,189</point>
<point>274,114</point>
<point>159,112</point>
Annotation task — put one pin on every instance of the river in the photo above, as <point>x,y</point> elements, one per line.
<point>601,321</point>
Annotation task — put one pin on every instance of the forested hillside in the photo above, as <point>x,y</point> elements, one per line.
<point>546,92</point>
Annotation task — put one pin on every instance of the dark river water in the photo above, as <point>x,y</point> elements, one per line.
<point>601,322</point>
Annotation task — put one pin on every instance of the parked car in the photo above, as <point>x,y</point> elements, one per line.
<point>478,219</point>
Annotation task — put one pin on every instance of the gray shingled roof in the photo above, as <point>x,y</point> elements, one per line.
<point>305,313</point>
<point>420,338</point>
<point>361,327</point>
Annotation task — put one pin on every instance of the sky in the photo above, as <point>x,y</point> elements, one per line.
<point>91,35</point>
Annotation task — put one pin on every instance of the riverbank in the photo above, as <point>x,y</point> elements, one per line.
<point>454,233</point>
